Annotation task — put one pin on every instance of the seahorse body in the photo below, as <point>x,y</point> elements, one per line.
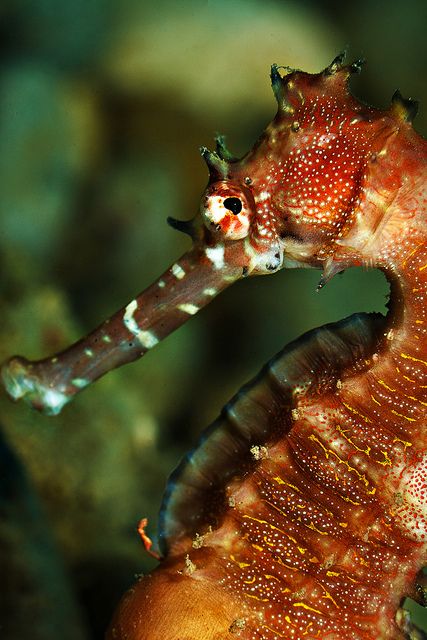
<point>302,512</point>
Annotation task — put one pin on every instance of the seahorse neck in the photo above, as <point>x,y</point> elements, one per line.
<point>408,297</point>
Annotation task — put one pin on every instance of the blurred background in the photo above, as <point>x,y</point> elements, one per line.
<point>103,105</point>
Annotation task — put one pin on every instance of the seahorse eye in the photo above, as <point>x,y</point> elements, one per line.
<point>233,204</point>
<point>226,210</point>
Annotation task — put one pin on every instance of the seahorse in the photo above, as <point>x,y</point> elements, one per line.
<point>302,511</point>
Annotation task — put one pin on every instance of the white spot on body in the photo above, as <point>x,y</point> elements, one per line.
<point>89,353</point>
<point>161,284</point>
<point>263,196</point>
<point>128,319</point>
<point>80,383</point>
<point>216,255</point>
<point>210,292</point>
<point>147,338</point>
<point>53,400</point>
<point>191,309</point>
<point>178,271</point>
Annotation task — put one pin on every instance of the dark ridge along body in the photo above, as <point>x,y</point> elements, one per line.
<point>302,512</point>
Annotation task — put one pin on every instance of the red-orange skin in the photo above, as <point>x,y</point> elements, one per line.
<point>326,535</point>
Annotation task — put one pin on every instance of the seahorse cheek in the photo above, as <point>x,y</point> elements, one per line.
<point>235,227</point>
<point>179,603</point>
<point>321,189</point>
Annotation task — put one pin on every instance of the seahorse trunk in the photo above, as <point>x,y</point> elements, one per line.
<point>322,527</point>
<point>187,286</point>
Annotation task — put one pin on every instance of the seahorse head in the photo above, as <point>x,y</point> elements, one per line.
<point>317,185</point>
<point>331,183</point>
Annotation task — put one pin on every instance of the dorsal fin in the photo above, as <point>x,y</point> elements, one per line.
<point>259,412</point>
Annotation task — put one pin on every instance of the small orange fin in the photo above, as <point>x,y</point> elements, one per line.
<point>148,543</point>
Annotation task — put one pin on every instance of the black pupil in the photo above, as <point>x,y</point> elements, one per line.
<point>233,204</point>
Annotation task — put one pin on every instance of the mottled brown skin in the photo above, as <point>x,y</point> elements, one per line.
<point>325,534</point>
